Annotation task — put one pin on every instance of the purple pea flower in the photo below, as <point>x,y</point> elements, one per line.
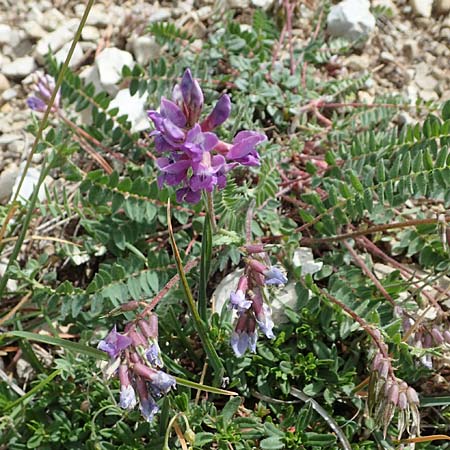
<point>147,404</point>
<point>192,97</point>
<point>43,90</point>
<point>160,381</point>
<point>218,115</point>
<point>153,355</point>
<point>275,276</point>
<point>244,336</point>
<point>114,343</point>
<point>263,314</point>
<point>127,394</point>
<point>244,150</point>
<point>192,157</point>
<point>238,299</point>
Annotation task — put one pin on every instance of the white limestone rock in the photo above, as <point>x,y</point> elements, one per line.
<point>422,7</point>
<point>8,35</point>
<point>77,56</point>
<point>109,64</point>
<point>351,19</point>
<point>55,40</point>
<point>145,49</point>
<point>19,68</point>
<point>263,4</point>
<point>442,6</point>
<point>134,106</point>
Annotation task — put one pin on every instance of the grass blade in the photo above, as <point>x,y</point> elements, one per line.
<point>205,263</point>
<point>69,345</point>
<point>216,363</point>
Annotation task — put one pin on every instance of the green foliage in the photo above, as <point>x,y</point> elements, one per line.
<point>111,245</point>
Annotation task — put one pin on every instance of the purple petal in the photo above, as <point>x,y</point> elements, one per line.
<point>192,96</point>
<point>244,143</point>
<point>238,301</point>
<point>171,132</point>
<point>265,322</point>
<point>36,104</point>
<point>219,114</point>
<point>162,382</point>
<point>275,276</point>
<point>171,111</point>
<point>186,194</point>
<point>127,397</point>
<point>148,408</point>
<point>114,343</point>
<point>156,118</point>
<point>153,355</point>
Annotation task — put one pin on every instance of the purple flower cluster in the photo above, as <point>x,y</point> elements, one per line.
<point>192,156</point>
<point>138,358</point>
<point>43,90</point>
<point>248,300</point>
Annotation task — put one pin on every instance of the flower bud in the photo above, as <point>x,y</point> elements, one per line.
<point>254,248</point>
<point>192,97</point>
<point>218,115</point>
<point>402,400</point>
<point>393,394</point>
<point>446,335</point>
<point>437,336</point>
<point>130,306</point>
<point>412,396</point>
<point>190,436</point>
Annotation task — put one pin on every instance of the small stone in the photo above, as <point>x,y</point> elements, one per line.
<point>8,35</point>
<point>7,179</point>
<point>134,107</point>
<point>387,57</point>
<point>404,118</point>
<point>98,15</point>
<point>242,4</point>
<point>160,15</point>
<point>90,33</point>
<point>145,49</point>
<point>9,94</point>
<point>33,30</point>
<point>52,19</point>
<point>421,7</point>
<point>109,64</point>
<point>263,4</point>
<point>19,68</point>
<point>351,19</point>
<point>423,79</point>
<point>442,6</point>
<point>4,83</point>
<point>77,56</point>
<point>358,62</point>
<point>55,40</point>
<point>411,49</point>
<point>365,97</point>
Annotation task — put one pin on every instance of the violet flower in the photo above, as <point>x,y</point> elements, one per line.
<point>147,404</point>
<point>275,276</point>
<point>43,90</point>
<point>127,394</point>
<point>192,157</point>
<point>114,343</point>
<point>263,314</point>
<point>244,336</point>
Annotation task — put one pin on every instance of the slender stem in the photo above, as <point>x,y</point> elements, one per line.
<point>38,137</point>
<point>370,230</point>
<point>210,208</point>
<point>216,363</point>
<point>359,261</point>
